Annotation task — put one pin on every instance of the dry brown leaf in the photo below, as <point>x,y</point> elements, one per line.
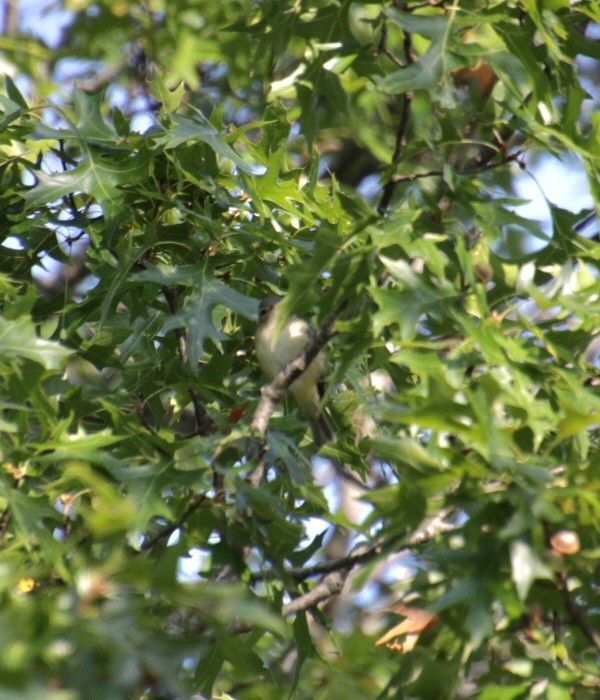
<point>236,414</point>
<point>417,621</point>
<point>480,76</point>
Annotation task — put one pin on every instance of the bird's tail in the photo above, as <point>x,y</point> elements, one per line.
<point>321,429</point>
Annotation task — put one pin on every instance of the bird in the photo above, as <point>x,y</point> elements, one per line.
<point>277,347</point>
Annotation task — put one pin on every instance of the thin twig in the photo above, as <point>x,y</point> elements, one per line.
<point>578,617</point>
<point>298,574</point>
<point>68,199</point>
<point>195,503</point>
<point>472,170</point>
<point>382,46</point>
<point>390,185</point>
<point>411,177</point>
<point>4,523</point>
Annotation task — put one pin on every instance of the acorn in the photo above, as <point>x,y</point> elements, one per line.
<point>565,542</point>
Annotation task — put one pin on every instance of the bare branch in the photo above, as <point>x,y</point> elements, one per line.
<point>337,570</point>
<point>10,19</point>
<point>382,47</point>
<point>472,170</point>
<point>427,531</point>
<point>432,527</point>
<point>329,587</point>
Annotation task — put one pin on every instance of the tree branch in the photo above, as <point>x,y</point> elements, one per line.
<point>337,570</point>
<point>326,567</point>
<point>430,528</point>
<point>10,19</point>
<point>471,170</point>
<point>329,587</point>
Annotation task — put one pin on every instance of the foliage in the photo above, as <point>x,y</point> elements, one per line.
<point>137,560</point>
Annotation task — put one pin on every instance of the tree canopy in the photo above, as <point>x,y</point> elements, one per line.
<point>168,529</point>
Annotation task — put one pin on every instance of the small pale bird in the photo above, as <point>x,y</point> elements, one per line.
<point>276,351</point>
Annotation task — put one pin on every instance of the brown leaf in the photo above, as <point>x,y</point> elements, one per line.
<point>236,414</point>
<point>480,76</point>
<point>417,621</point>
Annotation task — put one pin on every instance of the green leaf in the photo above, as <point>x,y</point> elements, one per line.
<point>437,61</point>
<point>230,602</point>
<point>405,305</point>
<point>519,39</point>
<point>196,315</point>
<point>547,29</point>
<point>13,93</point>
<point>275,186</point>
<point>18,340</point>
<point>31,515</point>
<point>304,645</point>
<point>526,567</point>
<point>407,452</point>
<point>183,129</point>
<point>403,504</point>
<point>90,125</point>
<point>479,621</point>
<point>99,174</point>
<point>504,692</point>
<point>169,99</point>
<point>425,73</point>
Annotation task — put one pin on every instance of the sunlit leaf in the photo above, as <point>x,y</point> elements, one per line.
<point>18,340</point>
